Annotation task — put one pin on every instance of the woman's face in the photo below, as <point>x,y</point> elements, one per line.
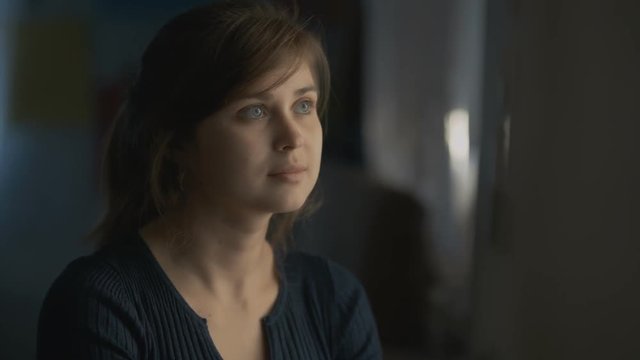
<point>261,152</point>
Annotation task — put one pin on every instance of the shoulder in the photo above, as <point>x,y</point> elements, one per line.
<point>341,287</point>
<point>98,272</point>
<point>88,307</point>
<point>353,328</point>
<point>84,283</point>
<point>322,273</point>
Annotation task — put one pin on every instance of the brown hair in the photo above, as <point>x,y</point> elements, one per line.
<point>195,63</point>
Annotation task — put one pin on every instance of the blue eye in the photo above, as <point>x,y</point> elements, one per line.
<point>253,112</point>
<point>303,107</point>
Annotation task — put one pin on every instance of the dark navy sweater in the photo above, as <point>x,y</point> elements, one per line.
<point>119,304</point>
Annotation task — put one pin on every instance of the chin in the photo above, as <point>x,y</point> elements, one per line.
<point>285,204</point>
<point>283,200</point>
<point>289,207</point>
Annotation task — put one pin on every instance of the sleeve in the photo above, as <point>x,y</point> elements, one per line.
<point>355,331</point>
<point>87,315</point>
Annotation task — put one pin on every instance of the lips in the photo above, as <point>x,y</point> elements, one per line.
<point>289,175</point>
<point>288,170</point>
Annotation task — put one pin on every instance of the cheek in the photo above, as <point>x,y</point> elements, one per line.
<point>317,138</point>
<point>217,158</point>
<point>232,155</point>
<point>315,148</point>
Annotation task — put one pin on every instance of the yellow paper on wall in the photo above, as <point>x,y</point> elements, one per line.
<point>51,82</point>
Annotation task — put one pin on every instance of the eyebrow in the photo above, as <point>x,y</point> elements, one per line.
<point>305,90</point>
<point>267,94</point>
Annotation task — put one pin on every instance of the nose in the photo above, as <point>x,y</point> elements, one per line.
<point>289,135</point>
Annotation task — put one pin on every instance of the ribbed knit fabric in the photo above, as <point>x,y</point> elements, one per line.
<point>119,304</point>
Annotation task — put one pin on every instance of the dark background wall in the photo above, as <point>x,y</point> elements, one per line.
<point>557,276</point>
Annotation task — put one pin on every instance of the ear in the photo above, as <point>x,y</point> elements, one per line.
<point>182,151</point>
<point>179,156</point>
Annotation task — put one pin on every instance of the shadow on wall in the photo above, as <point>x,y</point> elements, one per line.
<point>377,233</point>
<point>48,203</point>
<point>19,324</point>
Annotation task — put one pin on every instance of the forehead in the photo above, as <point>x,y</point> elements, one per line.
<point>285,75</point>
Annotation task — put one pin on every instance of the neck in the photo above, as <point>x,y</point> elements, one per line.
<point>222,253</point>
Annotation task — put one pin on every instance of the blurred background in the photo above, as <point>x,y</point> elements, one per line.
<point>481,170</point>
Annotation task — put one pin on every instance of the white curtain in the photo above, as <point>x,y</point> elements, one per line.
<point>423,63</point>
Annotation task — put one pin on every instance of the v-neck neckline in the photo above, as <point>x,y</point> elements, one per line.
<point>266,321</point>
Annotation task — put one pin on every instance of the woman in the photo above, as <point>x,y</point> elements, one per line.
<point>216,152</point>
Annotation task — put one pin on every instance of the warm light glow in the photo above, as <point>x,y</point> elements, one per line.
<point>457,134</point>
